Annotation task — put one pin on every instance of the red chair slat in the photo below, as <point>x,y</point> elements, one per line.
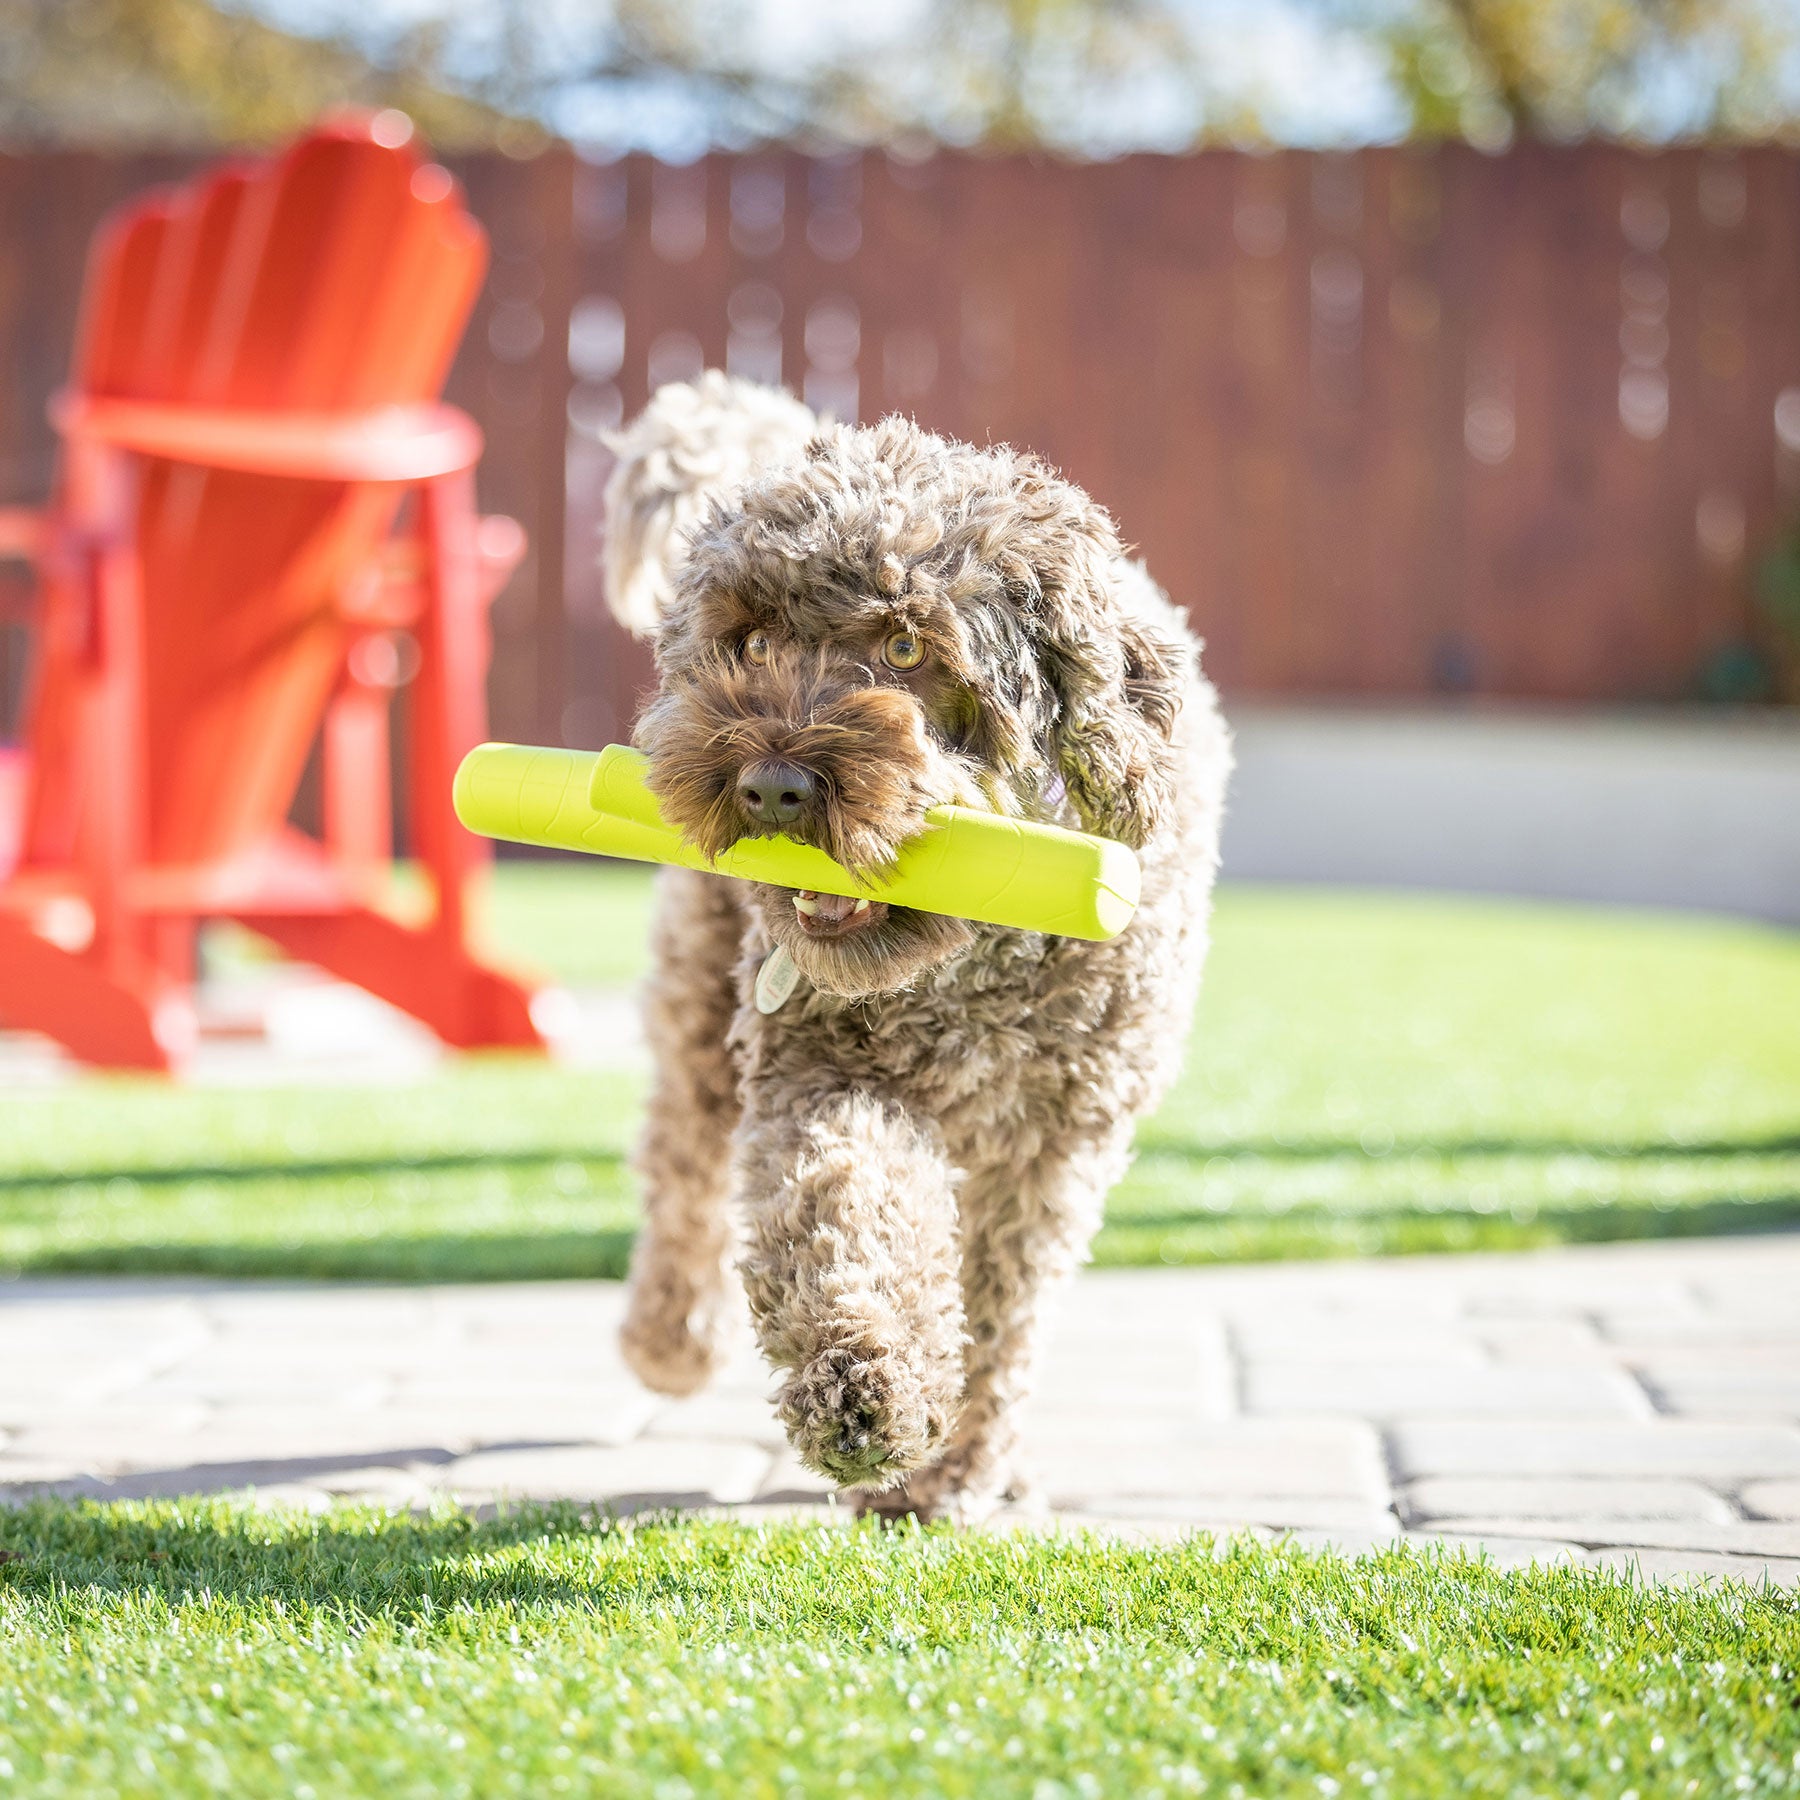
<point>252,396</point>
<point>194,298</point>
<point>122,273</point>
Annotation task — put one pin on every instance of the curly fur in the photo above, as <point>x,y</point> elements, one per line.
<point>916,1148</point>
<point>867,745</point>
<point>852,1276</point>
<point>679,1318</point>
<point>692,440</point>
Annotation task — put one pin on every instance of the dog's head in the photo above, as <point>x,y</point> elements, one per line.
<point>892,622</point>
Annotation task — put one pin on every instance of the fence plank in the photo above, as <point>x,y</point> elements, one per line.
<point>1388,424</point>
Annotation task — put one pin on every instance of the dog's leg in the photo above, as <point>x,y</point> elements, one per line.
<point>851,1270</point>
<point>677,1324</point>
<point>1024,1231</point>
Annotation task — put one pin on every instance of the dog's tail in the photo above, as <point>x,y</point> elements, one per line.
<point>692,442</point>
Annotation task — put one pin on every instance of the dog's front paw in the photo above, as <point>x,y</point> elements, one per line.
<point>866,1421</point>
<point>953,1491</point>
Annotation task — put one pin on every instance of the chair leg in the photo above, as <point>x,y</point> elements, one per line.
<point>117,1018</point>
<point>423,972</point>
<point>116,778</point>
<point>174,947</point>
<point>449,707</point>
<point>430,972</point>
<point>359,826</point>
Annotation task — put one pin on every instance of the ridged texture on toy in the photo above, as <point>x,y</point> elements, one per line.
<point>972,865</point>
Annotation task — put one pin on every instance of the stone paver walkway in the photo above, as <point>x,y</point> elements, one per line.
<point>1629,1403</point>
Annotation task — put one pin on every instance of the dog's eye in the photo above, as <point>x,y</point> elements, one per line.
<point>903,650</point>
<point>756,648</point>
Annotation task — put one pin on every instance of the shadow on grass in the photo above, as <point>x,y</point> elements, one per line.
<point>153,1175</point>
<point>1152,1142</point>
<point>602,1254</point>
<point>154,1233</point>
<point>408,1567</point>
<point>1174,1238</point>
<point>1185,1238</point>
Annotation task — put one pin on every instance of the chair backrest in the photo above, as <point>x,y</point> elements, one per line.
<point>335,277</point>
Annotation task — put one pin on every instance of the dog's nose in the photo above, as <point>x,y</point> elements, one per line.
<point>775,793</point>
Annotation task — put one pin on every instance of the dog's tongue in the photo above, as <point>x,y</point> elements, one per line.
<point>833,908</point>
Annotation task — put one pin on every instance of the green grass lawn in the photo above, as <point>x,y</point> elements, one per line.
<point>202,1648</point>
<point>1366,1073</point>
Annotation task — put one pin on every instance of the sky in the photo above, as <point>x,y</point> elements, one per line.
<point>1308,81</point>
<point>1310,84</point>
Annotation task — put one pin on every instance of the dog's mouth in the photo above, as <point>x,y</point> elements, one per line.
<point>858,948</point>
<point>829,918</point>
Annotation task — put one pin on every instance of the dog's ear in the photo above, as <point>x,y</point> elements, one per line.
<point>1113,679</point>
<point>1119,690</point>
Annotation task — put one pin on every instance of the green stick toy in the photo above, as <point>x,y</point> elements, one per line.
<point>972,865</point>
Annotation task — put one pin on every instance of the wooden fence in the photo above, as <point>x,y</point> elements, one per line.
<point>1393,424</point>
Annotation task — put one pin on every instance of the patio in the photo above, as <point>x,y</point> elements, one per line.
<point>1627,1404</point>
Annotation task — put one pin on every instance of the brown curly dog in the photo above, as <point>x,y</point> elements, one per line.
<point>907,1153</point>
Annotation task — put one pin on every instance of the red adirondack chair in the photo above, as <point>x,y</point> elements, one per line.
<point>252,411</point>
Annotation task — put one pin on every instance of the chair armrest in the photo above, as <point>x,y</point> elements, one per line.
<point>389,443</point>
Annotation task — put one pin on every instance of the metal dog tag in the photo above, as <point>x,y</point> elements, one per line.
<point>776,981</point>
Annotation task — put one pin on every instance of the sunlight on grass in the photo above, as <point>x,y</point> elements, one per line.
<point>1367,1072</point>
<point>536,1653</point>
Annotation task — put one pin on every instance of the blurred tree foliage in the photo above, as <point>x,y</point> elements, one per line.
<point>1559,69</point>
<point>1014,73</point>
<point>1075,75</point>
<point>176,72</point>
